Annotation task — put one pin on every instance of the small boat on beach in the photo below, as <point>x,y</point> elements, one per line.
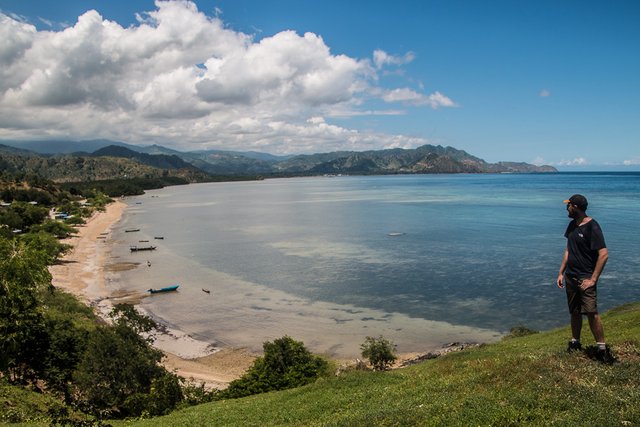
<point>161,290</point>
<point>142,248</point>
<point>143,241</point>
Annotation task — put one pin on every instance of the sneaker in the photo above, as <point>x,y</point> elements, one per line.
<point>574,346</point>
<point>605,356</point>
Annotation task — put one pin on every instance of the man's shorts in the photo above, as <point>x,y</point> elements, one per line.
<point>580,301</point>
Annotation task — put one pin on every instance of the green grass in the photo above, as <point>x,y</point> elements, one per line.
<point>19,404</point>
<point>526,380</point>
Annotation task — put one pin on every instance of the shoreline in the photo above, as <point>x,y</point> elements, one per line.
<point>82,272</point>
<point>87,270</point>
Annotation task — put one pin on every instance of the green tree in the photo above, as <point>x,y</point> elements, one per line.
<point>119,372</point>
<point>379,351</point>
<point>47,244</point>
<point>69,324</point>
<point>23,279</point>
<point>286,364</point>
<point>56,228</point>
<point>11,219</point>
<point>30,214</point>
<point>67,343</point>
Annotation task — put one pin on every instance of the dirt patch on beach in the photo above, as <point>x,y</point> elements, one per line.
<point>123,297</point>
<point>216,370</point>
<point>121,266</point>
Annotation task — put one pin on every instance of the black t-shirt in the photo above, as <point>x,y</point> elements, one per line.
<point>583,244</point>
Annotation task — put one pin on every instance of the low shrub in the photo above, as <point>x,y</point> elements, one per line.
<point>379,351</point>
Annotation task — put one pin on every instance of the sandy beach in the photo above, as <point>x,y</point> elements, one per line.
<point>82,272</point>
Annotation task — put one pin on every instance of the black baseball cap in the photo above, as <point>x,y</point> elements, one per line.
<point>578,200</point>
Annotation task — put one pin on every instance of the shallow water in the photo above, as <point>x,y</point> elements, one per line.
<point>420,259</point>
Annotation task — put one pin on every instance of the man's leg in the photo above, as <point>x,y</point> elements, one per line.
<point>595,323</point>
<point>603,352</point>
<point>576,328</point>
<point>576,325</point>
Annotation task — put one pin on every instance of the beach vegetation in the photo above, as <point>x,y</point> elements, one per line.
<point>380,352</point>
<point>286,363</point>
<point>57,229</point>
<point>23,215</point>
<point>50,247</point>
<point>43,197</point>
<point>122,186</point>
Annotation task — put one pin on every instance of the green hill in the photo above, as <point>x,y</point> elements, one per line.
<point>528,380</point>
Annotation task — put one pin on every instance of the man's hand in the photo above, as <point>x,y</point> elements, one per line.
<point>587,283</point>
<point>560,281</point>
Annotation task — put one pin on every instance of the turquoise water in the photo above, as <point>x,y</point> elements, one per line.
<point>481,251</point>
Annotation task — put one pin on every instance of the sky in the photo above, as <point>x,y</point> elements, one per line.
<point>544,82</point>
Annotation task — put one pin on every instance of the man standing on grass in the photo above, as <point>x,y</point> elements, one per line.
<point>583,261</point>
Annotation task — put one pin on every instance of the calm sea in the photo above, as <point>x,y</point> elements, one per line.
<point>420,259</point>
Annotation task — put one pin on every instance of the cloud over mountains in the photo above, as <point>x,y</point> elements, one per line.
<point>180,76</point>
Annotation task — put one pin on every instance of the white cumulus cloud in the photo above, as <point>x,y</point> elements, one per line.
<point>183,78</point>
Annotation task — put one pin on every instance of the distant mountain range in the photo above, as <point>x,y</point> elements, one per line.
<point>97,159</point>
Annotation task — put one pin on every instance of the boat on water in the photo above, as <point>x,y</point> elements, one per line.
<point>165,289</point>
<point>131,230</point>
<point>206,291</point>
<point>159,237</point>
<point>142,248</point>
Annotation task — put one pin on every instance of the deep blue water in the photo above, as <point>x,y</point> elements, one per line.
<point>477,250</point>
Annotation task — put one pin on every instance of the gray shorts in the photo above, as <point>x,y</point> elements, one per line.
<point>580,301</point>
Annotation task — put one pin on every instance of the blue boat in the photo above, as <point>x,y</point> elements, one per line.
<point>167,289</point>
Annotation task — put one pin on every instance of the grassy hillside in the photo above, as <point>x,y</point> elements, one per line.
<point>526,380</point>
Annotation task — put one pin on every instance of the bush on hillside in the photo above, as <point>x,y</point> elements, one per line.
<point>286,364</point>
<point>120,374</point>
<point>379,351</point>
